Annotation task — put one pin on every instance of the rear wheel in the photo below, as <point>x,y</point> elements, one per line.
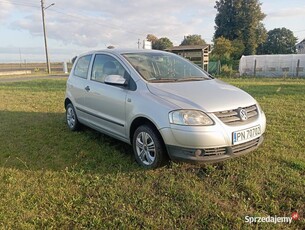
<point>148,147</point>
<point>71,118</point>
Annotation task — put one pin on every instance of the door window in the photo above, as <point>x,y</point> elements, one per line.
<point>105,65</point>
<point>82,66</point>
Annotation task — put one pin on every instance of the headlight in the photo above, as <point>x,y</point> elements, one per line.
<point>189,117</point>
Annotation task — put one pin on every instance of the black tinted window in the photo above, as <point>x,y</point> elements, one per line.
<point>82,66</point>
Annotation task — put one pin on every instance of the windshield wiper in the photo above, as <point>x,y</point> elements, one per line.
<point>192,79</point>
<point>164,80</point>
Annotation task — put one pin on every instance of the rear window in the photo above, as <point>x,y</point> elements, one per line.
<point>82,66</point>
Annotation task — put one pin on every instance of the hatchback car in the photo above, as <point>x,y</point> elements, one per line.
<point>163,105</point>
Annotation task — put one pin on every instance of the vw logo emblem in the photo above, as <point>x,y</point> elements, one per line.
<point>242,114</point>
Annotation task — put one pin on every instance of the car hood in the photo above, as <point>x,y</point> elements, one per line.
<point>207,95</point>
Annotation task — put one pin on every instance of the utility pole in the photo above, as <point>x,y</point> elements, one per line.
<point>45,34</point>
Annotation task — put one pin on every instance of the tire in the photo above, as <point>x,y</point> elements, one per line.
<point>71,118</point>
<point>148,147</point>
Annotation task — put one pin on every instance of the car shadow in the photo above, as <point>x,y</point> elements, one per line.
<point>42,141</point>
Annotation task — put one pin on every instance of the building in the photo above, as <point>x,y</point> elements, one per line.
<point>301,47</point>
<point>273,65</point>
<point>195,53</point>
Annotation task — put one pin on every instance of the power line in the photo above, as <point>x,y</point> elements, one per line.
<point>20,3</point>
<point>78,16</point>
<point>298,31</point>
<point>85,17</point>
<point>82,17</point>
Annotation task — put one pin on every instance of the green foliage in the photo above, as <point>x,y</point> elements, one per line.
<point>238,49</point>
<point>51,178</point>
<point>226,70</point>
<point>152,38</point>
<point>223,49</point>
<point>279,41</point>
<point>240,20</point>
<point>159,43</point>
<point>226,50</point>
<point>194,39</point>
<point>162,44</point>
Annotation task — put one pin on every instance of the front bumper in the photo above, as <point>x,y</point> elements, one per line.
<point>212,155</point>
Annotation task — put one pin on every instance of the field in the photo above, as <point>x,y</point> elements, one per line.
<point>53,178</point>
<point>35,68</point>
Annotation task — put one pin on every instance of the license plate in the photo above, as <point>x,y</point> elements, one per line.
<point>245,135</point>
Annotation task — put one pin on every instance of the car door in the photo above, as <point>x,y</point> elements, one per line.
<point>106,103</point>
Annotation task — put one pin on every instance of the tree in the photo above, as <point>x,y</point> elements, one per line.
<point>159,44</point>
<point>222,49</point>
<point>152,38</point>
<point>238,49</point>
<point>279,41</point>
<point>194,39</point>
<point>162,44</point>
<point>240,20</point>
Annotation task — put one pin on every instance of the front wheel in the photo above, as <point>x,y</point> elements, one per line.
<point>148,147</point>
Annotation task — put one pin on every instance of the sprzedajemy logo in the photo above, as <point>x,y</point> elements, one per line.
<point>272,219</point>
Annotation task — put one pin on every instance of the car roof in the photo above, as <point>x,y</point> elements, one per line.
<point>122,51</point>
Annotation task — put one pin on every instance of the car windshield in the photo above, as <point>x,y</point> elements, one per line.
<point>165,67</point>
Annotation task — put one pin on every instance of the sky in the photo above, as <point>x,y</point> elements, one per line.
<point>78,26</point>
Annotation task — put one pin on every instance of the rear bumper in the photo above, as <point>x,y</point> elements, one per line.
<point>212,155</point>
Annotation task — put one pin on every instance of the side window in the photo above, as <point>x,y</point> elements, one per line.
<point>105,65</point>
<point>82,66</point>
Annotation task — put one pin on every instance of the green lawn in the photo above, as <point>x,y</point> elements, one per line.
<point>53,178</point>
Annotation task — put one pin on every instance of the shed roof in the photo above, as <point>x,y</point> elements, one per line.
<point>190,47</point>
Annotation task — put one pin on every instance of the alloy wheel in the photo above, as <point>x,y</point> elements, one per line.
<point>145,148</point>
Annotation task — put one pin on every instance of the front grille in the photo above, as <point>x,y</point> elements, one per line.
<point>245,146</point>
<point>231,117</point>
<point>215,151</point>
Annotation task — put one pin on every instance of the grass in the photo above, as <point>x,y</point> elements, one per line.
<point>32,75</point>
<point>53,178</point>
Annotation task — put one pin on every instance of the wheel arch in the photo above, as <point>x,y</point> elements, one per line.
<point>142,121</point>
<point>67,101</point>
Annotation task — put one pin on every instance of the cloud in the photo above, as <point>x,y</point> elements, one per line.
<point>287,13</point>
<point>5,9</point>
<point>94,23</point>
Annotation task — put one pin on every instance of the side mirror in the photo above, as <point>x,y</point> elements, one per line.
<point>115,80</point>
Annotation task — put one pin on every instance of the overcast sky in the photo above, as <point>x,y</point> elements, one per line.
<point>79,26</point>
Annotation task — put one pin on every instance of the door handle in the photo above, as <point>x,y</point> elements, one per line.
<point>87,88</point>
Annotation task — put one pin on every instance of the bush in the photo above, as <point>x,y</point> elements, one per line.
<point>226,70</point>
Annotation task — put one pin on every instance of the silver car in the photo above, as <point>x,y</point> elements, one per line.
<point>163,105</point>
